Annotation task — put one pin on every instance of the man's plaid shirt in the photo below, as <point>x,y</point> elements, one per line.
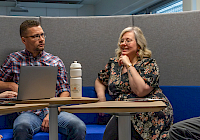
<point>10,70</point>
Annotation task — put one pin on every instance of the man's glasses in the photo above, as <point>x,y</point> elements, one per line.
<point>37,36</point>
<point>127,41</point>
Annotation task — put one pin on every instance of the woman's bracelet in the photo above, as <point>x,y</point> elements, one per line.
<point>128,66</point>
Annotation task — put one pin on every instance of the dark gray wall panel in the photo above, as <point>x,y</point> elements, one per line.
<point>89,40</point>
<point>10,40</point>
<point>175,42</point>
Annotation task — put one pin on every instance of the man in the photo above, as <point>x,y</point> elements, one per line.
<point>185,130</point>
<point>30,122</point>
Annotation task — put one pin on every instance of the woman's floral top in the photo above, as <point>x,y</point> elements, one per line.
<point>149,125</point>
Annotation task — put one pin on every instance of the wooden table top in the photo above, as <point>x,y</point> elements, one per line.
<point>60,100</point>
<point>21,107</point>
<point>116,107</point>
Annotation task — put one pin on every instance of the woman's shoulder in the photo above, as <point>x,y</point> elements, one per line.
<point>113,60</point>
<point>147,61</point>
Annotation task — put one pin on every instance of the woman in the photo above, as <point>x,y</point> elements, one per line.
<point>134,74</point>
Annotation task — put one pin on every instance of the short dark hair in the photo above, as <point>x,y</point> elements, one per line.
<point>27,24</point>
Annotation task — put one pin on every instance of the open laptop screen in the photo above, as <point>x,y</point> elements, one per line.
<point>37,82</point>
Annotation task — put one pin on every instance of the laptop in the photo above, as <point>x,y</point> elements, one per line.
<point>36,82</point>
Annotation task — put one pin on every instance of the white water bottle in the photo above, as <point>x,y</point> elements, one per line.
<point>75,80</point>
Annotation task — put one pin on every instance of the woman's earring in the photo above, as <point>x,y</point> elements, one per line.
<point>138,53</point>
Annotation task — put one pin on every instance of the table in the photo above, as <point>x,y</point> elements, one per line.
<point>122,108</point>
<point>21,107</point>
<point>53,110</point>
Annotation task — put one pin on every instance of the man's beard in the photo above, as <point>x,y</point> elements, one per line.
<point>39,48</point>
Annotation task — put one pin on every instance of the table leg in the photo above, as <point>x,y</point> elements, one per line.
<point>53,122</point>
<point>124,127</point>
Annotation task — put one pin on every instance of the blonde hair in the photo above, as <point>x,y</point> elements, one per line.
<point>140,40</point>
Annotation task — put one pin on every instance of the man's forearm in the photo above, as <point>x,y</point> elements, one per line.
<point>65,94</point>
<point>11,86</point>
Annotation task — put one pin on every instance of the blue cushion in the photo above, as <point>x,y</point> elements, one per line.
<point>185,101</point>
<point>88,118</point>
<point>94,132</point>
<point>6,121</point>
<point>8,135</point>
<point>45,136</point>
<point>89,92</point>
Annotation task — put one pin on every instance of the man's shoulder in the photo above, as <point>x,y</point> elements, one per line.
<point>50,58</point>
<point>17,54</point>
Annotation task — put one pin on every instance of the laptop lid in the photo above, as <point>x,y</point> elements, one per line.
<point>37,82</point>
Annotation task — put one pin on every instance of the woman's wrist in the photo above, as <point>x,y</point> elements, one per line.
<point>129,65</point>
<point>102,99</point>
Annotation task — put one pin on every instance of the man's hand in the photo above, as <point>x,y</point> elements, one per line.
<point>8,94</point>
<point>13,86</point>
<point>65,94</point>
<point>8,86</point>
<point>45,124</point>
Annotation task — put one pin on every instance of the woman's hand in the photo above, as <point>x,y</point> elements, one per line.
<point>100,90</point>
<point>8,94</point>
<point>124,60</point>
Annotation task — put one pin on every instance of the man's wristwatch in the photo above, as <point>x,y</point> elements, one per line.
<point>129,65</point>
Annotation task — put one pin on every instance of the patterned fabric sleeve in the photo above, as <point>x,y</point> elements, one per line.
<point>5,71</point>
<point>104,75</point>
<point>62,83</point>
<point>149,71</point>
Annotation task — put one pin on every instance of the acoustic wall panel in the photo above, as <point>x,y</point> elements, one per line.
<point>89,40</point>
<point>175,43</point>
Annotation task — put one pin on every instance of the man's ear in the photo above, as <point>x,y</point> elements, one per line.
<point>23,40</point>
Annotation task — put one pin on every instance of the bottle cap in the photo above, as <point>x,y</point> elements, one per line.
<point>75,65</point>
